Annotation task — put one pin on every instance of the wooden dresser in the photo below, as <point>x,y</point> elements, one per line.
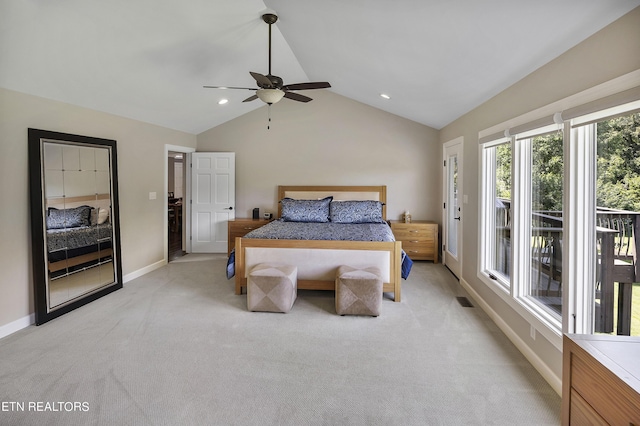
<point>240,227</point>
<point>419,238</point>
<point>600,380</point>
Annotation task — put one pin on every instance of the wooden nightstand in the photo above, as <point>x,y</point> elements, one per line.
<point>419,238</point>
<point>240,227</point>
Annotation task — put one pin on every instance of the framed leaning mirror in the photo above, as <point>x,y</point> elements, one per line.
<point>75,223</point>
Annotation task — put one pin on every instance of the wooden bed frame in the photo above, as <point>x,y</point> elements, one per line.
<point>317,260</point>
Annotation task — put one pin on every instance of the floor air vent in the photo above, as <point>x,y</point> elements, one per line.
<point>463,301</point>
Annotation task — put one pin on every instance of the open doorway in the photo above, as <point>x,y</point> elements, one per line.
<point>176,185</point>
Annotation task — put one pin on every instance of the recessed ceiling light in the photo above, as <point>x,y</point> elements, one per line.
<point>223,101</point>
<point>384,95</point>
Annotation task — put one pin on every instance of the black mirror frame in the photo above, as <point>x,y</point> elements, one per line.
<point>38,233</point>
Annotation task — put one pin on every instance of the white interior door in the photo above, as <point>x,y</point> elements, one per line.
<point>213,200</point>
<point>452,217</point>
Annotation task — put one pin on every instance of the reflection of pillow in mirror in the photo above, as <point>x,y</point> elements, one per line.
<point>99,216</point>
<point>103,215</point>
<point>68,218</point>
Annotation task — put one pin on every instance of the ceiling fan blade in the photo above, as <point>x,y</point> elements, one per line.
<point>262,80</point>
<point>307,86</point>
<point>251,98</point>
<point>229,87</point>
<point>297,97</point>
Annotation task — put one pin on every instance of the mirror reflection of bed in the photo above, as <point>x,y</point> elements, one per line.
<point>75,221</point>
<point>80,257</point>
<point>79,232</point>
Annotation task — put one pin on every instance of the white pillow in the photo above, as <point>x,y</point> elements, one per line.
<point>103,215</point>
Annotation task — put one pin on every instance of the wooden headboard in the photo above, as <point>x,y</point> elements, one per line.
<point>95,200</point>
<point>339,193</point>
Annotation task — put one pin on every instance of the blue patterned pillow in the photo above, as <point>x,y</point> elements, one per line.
<point>356,212</point>
<point>68,218</point>
<point>305,210</point>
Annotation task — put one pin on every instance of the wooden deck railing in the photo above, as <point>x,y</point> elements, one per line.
<point>617,237</point>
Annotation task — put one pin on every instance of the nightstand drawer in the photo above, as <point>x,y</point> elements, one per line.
<point>418,237</point>
<point>406,231</point>
<point>418,250</point>
<point>241,231</point>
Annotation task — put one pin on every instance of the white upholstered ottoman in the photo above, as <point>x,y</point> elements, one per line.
<point>358,291</point>
<point>272,287</point>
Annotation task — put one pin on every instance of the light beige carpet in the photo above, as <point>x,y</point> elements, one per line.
<point>178,347</point>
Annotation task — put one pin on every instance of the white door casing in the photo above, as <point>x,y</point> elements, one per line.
<point>212,200</point>
<point>452,206</point>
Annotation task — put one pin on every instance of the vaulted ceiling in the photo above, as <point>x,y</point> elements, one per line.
<point>148,59</point>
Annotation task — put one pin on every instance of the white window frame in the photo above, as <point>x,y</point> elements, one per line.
<point>579,236</point>
<point>487,213</point>
<point>511,291</point>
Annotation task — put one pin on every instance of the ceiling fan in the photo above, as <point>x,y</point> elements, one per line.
<point>271,88</point>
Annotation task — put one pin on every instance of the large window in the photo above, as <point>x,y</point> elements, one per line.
<point>560,221</point>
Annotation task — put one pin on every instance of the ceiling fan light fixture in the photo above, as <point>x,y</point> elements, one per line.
<point>270,96</point>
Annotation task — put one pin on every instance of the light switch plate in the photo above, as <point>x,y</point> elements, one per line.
<point>152,196</point>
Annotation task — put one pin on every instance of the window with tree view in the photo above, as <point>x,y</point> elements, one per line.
<point>499,253</point>
<point>546,188</point>
<point>616,295</point>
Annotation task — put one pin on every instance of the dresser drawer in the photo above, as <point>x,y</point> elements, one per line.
<point>582,413</point>
<point>600,389</point>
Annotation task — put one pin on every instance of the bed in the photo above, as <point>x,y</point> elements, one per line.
<point>79,234</point>
<point>316,258</point>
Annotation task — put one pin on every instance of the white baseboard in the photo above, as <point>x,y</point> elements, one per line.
<point>140,272</point>
<point>25,322</point>
<point>554,381</point>
<point>17,325</point>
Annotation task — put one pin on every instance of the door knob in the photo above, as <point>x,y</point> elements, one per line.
<point>229,208</point>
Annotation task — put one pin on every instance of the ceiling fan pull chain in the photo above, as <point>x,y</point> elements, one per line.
<point>269,113</point>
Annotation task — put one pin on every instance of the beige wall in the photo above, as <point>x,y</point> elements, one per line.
<point>331,141</point>
<point>141,159</point>
<point>610,53</point>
